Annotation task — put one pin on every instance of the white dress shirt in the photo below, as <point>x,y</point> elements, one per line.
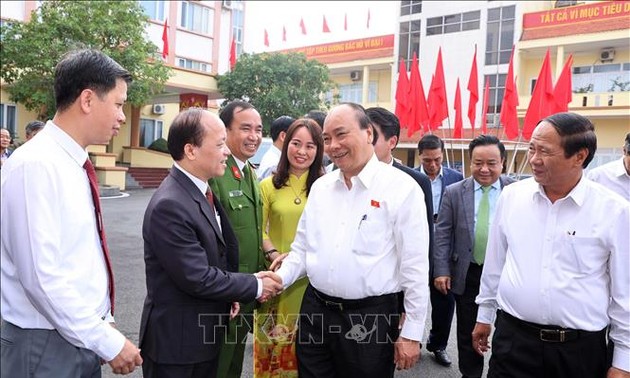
<point>565,264</point>
<point>436,188</point>
<point>268,162</point>
<point>613,176</point>
<point>365,241</point>
<point>54,274</point>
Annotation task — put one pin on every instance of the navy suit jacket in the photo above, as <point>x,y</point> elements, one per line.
<point>455,232</point>
<point>189,265</point>
<point>449,176</point>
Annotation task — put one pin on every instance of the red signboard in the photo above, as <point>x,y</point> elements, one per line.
<point>362,45</point>
<point>581,13</point>
<point>192,100</point>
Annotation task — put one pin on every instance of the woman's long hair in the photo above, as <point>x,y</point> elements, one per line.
<point>281,175</point>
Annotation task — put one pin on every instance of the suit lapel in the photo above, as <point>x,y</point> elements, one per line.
<point>198,197</point>
<point>468,202</point>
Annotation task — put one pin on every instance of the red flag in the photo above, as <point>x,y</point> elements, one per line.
<point>232,54</point>
<point>542,102</point>
<point>325,28</point>
<point>368,19</point>
<point>302,26</point>
<point>284,33</point>
<point>417,106</point>
<point>457,133</point>
<point>563,91</point>
<point>266,38</point>
<point>165,40</point>
<point>473,88</point>
<point>402,91</point>
<point>438,106</point>
<point>345,22</point>
<point>484,107</point>
<point>508,115</point>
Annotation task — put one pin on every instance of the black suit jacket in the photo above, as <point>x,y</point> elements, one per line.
<point>189,274</point>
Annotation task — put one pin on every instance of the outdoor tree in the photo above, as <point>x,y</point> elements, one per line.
<point>29,51</point>
<point>277,84</point>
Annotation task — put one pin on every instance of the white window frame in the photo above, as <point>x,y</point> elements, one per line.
<point>4,118</point>
<point>193,65</point>
<point>158,128</point>
<point>196,17</point>
<point>159,11</point>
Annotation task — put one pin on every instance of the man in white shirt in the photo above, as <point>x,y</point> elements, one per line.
<point>270,159</point>
<point>556,265</point>
<point>362,239</point>
<point>57,290</point>
<point>616,174</point>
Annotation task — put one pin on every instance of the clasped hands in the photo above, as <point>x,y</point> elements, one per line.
<point>272,285</point>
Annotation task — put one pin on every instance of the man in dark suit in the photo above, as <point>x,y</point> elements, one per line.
<point>239,193</point>
<point>431,152</point>
<point>460,240</point>
<point>191,254</point>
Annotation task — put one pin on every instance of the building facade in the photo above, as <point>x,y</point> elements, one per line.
<point>595,33</point>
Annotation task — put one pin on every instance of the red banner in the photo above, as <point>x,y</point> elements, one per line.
<point>579,13</point>
<point>346,47</point>
<point>192,100</point>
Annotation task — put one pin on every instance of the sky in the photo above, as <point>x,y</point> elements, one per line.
<point>273,15</point>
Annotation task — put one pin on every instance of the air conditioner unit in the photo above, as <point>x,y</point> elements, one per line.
<point>355,75</point>
<point>227,4</point>
<point>159,108</point>
<point>607,55</point>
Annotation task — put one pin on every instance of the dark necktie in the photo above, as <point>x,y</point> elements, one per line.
<point>91,173</point>
<point>210,198</point>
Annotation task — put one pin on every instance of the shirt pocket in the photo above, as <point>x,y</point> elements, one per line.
<point>370,237</point>
<point>240,207</point>
<point>585,255</point>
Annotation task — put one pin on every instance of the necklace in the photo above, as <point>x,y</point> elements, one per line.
<point>297,199</point>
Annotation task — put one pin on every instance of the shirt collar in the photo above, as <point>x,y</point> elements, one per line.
<point>72,148</point>
<point>239,163</point>
<point>496,184</point>
<point>367,174</point>
<point>439,175</point>
<point>577,194</point>
<point>619,169</point>
<point>200,184</point>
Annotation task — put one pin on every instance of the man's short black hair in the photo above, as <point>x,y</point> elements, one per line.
<point>33,127</point>
<point>486,140</point>
<point>576,132</point>
<point>430,142</point>
<point>227,113</point>
<point>279,125</point>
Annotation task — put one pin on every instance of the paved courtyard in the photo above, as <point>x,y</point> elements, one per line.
<point>123,222</point>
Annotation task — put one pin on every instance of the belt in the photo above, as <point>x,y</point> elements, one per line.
<point>341,304</point>
<point>548,334</point>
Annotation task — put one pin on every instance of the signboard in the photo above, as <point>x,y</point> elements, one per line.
<point>581,13</point>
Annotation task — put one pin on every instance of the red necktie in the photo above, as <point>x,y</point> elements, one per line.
<point>210,198</point>
<point>91,173</point>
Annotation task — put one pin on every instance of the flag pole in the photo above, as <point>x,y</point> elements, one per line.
<point>516,144</point>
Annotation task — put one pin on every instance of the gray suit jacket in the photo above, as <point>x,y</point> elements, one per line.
<point>455,232</point>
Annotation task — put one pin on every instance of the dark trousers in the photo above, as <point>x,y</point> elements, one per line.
<point>470,363</point>
<point>345,343</point>
<point>517,353</point>
<point>442,309</point>
<point>151,369</point>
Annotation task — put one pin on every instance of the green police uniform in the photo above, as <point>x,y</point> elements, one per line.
<point>239,195</point>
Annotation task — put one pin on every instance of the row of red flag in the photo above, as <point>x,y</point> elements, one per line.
<point>325,27</point>
<point>425,114</point>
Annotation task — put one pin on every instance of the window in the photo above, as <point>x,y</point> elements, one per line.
<point>409,41</point>
<point>154,9</point>
<point>353,93</point>
<point>194,65</point>
<point>600,78</point>
<point>500,35</point>
<point>7,117</point>
<point>237,26</point>
<point>410,7</point>
<point>565,3</point>
<point>150,130</point>
<point>453,23</point>
<point>496,86</point>
<point>196,17</point>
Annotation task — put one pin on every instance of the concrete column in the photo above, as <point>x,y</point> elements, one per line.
<point>366,85</point>
<point>559,61</point>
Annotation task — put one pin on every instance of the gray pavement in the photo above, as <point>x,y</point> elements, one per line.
<point>123,222</point>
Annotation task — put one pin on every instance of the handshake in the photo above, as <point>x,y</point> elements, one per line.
<point>272,285</point>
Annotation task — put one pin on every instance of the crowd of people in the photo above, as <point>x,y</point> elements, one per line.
<point>329,254</point>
